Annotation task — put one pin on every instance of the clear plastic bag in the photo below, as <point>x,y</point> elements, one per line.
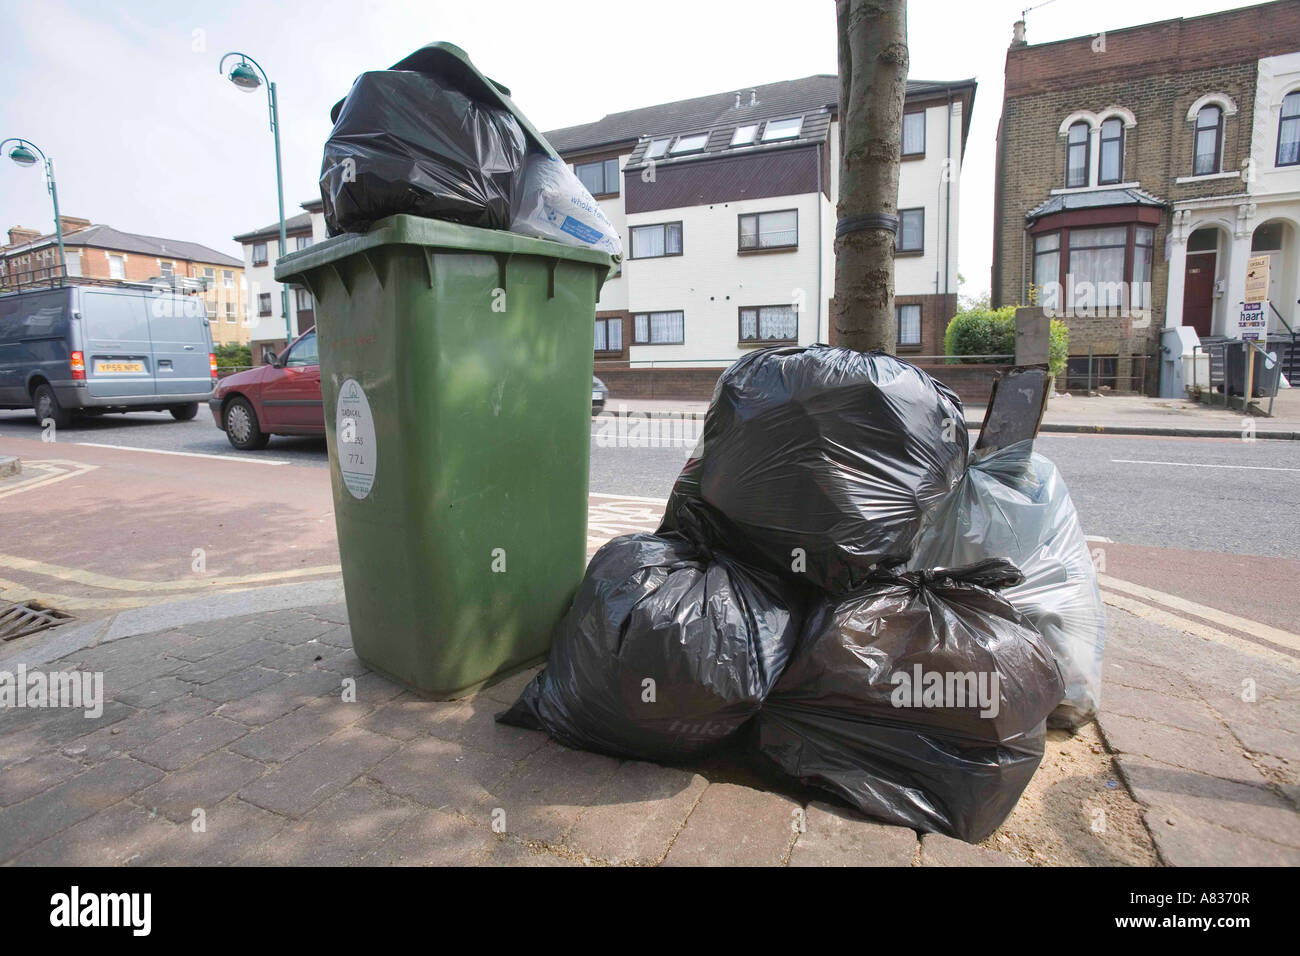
<point>555,205</point>
<point>1014,504</point>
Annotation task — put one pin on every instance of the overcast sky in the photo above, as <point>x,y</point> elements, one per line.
<point>147,137</point>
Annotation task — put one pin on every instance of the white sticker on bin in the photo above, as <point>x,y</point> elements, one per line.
<point>354,428</point>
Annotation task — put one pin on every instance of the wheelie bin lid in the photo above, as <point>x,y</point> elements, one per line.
<point>436,235</point>
<point>451,64</point>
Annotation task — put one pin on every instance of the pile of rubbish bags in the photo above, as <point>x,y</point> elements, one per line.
<point>432,137</point>
<point>899,621</point>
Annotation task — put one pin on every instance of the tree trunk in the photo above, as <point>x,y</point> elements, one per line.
<point>873,82</point>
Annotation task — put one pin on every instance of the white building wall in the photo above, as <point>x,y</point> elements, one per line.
<point>260,279</point>
<point>613,295</point>
<point>921,183</point>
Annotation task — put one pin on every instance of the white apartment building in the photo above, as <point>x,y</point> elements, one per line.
<point>264,312</point>
<point>726,207</point>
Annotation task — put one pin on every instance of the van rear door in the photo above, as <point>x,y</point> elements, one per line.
<point>115,333</point>
<point>178,327</point>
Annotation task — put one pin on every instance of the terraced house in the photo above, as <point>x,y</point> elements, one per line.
<point>726,206</point>
<point>1137,172</point>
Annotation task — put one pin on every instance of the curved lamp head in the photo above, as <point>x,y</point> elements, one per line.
<point>22,156</point>
<point>245,77</point>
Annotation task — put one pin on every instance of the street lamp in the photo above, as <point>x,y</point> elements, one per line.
<point>248,75</point>
<point>24,154</point>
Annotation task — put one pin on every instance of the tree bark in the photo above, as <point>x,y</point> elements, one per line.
<point>873,83</point>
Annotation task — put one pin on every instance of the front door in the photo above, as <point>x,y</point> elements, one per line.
<point>1198,292</point>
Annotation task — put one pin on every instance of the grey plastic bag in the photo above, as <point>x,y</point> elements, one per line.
<point>1014,504</point>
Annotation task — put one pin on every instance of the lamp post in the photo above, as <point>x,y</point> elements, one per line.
<point>24,154</point>
<point>248,75</point>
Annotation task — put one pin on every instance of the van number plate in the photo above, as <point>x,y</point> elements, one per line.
<point>111,367</point>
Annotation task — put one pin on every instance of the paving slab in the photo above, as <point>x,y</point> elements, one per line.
<point>319,772</point>
<point>636,815</point>
<point>837,836</point>
<point>1181,712</point>
<point>224,835</point>
<point>940,850</point>
<point>1185,840</point>
<point>408,716</point>
<point>190,741</point>
<point>201,785</point>
<point>342,831</point>
<point>1196,752</point>
<point>543,799</point>
<point>736,826</point>
<point>141,729</point>
<point>430,838</point>
<point>33,776</point>
<point>293,733</point>
<point>270,703</point>
<point>122,835</point>
<point>443,775</point>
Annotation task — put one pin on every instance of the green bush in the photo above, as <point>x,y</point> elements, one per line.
<point>233,355</point>
<point>978,332</point>
<point>1058,350</point>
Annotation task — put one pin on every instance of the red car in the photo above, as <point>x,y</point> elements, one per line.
<point>282,398</point>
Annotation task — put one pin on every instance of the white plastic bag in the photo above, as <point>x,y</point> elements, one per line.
<point>555,205</point>
<point>1014,504</point>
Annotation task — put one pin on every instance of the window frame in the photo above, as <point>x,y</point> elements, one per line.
<point>301,345</point>
<point>650,155</point>
<point>1102,140</point>
<point>263,297</point>
<point>767,125</point>
<point>604,176</point>
<point>262,259</point>
<point>681,239</point>
<point>228,278</point>
<point>898,325</point>
<point>121,260</point>
<point>647,314</point>
<point>607,321</point>
<point>1087,154</point>
<point>674,149</point>
<point>758,233</point>
<point>1066,245</point>
<point>1282,119</point>
<point>900,250</point>
<point>753,139</point>
<point>1218,139</point>
<point>758,324</point>
<point>903,134</point>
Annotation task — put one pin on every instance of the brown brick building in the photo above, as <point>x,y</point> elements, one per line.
<point>1111,146</point>
<point>102,252</point>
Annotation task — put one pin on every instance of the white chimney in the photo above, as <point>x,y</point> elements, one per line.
<point>1018,34</point>
<point>753,97</point>
<point>737,101</point>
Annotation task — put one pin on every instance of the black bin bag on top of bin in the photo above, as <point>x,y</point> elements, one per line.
<point>665,652</point>
<point>412,142</point>
<point>819,462</point>
<point>920,700</point>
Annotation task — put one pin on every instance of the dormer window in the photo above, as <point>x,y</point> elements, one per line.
<point>782,129</point>
<point>1111,169</point>
<point>1208,141</point>
<point>744,135</point>
<point>690,143</point>
<point>1076,156</point>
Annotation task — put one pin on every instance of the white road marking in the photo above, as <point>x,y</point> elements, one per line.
<point>186,454</point>
<point>653,501</point>
<point>1196,464</point>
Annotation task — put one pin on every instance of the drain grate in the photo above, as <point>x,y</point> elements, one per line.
<point>19,620</point>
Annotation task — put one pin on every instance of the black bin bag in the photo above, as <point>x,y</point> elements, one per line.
<point>665,652</point>
<point>819,462</point>
<point>412,142</point>
<point>921,701</point>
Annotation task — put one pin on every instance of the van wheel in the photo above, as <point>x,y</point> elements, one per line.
<point>242,428</point>
<point>183,413</point>
<point>46,405</point>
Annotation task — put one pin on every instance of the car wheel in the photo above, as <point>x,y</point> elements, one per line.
<point>183,413</point>
<point>46,405</point>
<point>241,426</point>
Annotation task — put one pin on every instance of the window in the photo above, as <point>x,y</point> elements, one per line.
<point>692,143</point>
<point>116,267</point>
<point>259,253</point>
<point>600,178</point>
<point>211,309</point>
<point>609,335</point>
<point>1076,156</point>
<point>228,278</point>
<point>301,242</point>
<point>304,303</point>
<point>769,323</point>
<point>1047,270</point>
<point>1092,372</point>
<point>652,242</point>
<point>782,129</point>
<point>659,328</point>
<point>74,262</point>
<point>769,230</point>
<point>209,277</point>
<point>230,313</point>
<point>304,352</point>
<point>1208,140</point>
<point>264,303</point>
<point>1144,238</point>
<point>1097,267</point>
<point>911,231</point>
<point>914,133</point>
<point>1288,131</point>
<point>744,135</point>
<point>657,147</point>
<point>1112,153</point>
<point>167,269</point>
<point>907,325</point>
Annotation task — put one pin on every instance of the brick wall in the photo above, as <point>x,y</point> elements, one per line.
<point>936,311</point>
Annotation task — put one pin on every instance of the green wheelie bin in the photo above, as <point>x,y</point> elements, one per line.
<point>456,367</point>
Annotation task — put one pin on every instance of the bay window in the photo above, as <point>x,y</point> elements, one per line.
<point>1094,269</point>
